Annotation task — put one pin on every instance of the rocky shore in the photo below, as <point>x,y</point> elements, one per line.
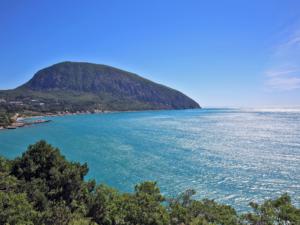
<point>21,123</point>
<point>21,120</point>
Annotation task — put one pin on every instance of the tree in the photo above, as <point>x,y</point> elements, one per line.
<point>109,207</point>
<point>5,119</point>
<point>15,209</point>
<point>105,206</point>
<point>278,211</point>
<point>44,168</point>
<point>145,205</point>
<point>8,183</point>
<point>185,210</point>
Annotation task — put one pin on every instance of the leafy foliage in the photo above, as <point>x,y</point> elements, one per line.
<point>5,119</point>
<point>15,209</point>
<point>185,210</point>
<point>278,211</point>
<point>42,187</point>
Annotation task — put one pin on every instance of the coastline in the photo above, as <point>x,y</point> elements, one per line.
<point>20,119</point>
<point>19,124</point>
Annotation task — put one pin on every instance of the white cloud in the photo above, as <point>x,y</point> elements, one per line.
<point>286,80</point>
<point>278,73</point>
<point>284,71</point>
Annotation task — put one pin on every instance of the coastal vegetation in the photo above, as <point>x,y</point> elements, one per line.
<point>42,187</point>
<point>5,119</point>
<point>15,120</point>
<point>87,87</point>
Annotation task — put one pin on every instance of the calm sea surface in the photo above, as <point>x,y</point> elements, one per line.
<point>231,155</point>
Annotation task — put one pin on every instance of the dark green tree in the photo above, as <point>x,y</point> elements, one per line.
<point>5,119</point>
<point>185,210</point>
<point>145,205</point>
<point>279,211</point>
<point>44,168</point>
<point>106,206</point>
<point>15,209</point>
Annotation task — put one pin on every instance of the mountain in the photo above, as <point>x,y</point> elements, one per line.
<point>80,86</point>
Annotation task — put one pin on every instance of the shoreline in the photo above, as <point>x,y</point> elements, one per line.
<point>20,124</point>
<point>19,119</point>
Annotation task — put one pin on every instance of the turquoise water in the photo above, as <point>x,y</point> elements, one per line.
<point>231,155</point>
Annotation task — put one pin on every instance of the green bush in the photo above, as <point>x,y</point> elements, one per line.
<point>5,119</point>
<point>16,209</point>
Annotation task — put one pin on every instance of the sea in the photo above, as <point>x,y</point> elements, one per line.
<point>233,156</point>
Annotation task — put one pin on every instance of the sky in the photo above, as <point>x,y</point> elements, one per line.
<point>225,53</point>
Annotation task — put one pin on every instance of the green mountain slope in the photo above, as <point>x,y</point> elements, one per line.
<point>76,86</point>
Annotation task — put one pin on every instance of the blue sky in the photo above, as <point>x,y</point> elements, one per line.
<point>221,53</point>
